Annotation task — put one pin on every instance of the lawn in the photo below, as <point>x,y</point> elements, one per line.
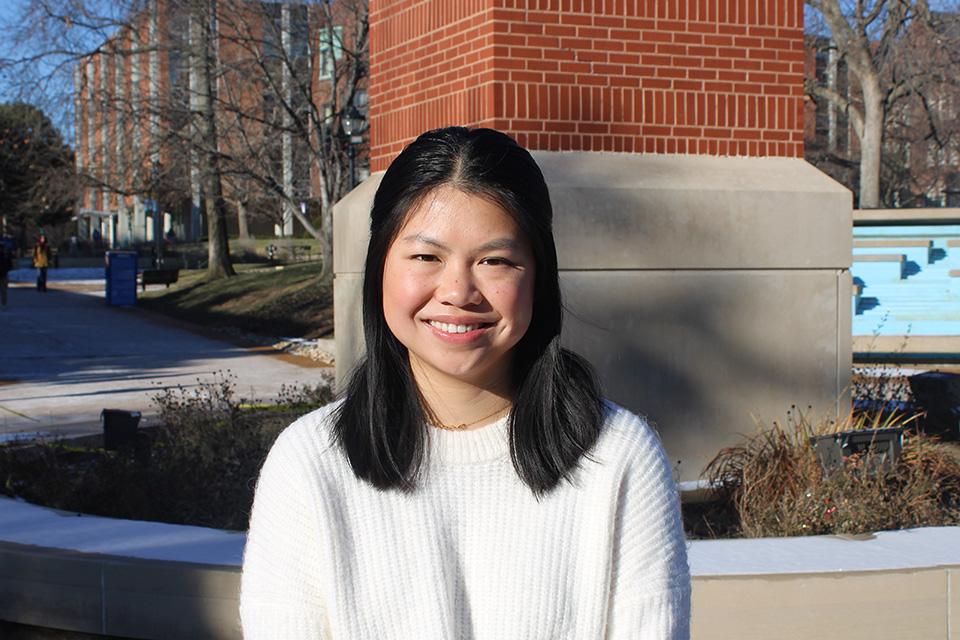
<point>285,300</point>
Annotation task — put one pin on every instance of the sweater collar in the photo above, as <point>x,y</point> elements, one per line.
<point>487,443</point>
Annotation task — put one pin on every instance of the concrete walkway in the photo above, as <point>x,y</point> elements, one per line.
<point>65,355</point>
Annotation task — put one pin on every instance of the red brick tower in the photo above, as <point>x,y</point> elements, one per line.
<point>716,77</point>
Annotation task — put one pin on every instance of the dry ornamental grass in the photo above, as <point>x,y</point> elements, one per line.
<point>773,484</point>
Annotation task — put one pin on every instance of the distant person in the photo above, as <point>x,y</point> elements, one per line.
<point>41,261</point>
<point>6,265</point>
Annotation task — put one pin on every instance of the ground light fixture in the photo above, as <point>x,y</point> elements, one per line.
<point>880,448</point>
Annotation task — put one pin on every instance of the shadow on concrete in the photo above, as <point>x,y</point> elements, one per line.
<point>71,355</point>
<point>694,352</point>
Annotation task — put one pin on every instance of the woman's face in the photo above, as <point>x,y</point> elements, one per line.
<point>458,289</point>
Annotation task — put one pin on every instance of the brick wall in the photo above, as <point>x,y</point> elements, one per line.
<point>717,77</point>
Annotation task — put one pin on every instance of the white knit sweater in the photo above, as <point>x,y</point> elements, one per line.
<point>471,555</point>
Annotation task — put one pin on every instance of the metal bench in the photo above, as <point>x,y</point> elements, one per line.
<point>158,276</point>
<point>294,252</point>
<point>301,252</point>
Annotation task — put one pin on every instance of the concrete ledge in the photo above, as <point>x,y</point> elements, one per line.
<point>889,585</point>
<point>638,211</point>
<point>906,217</point>
<point>117,577</point>
<point>879,257</point>
<point>895,584</point>
<point>906,349</point>
<point>858,244</point>
<point>920,251</point>
<point>869,605</point>
<point>117,596</point>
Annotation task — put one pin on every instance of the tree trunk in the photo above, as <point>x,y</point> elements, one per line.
<point>871,143</point>
<point>201,36</point>
<point>244,228</point>
<point>326,245</point>
<point>286,87</point>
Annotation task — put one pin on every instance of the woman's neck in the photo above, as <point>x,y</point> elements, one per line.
<point>450,402</point>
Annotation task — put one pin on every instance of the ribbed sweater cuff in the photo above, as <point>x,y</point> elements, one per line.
<point>661,616</point>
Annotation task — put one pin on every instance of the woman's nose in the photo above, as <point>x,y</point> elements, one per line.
<point>457,287</point>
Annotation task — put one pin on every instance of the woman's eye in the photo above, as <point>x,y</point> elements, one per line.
<point>425,257</point>
<point>497,262</point>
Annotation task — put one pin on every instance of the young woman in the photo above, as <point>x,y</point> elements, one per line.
<point>471,483</point>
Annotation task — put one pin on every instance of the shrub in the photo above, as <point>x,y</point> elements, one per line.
<point>772,484</point>
<point>198,468</point>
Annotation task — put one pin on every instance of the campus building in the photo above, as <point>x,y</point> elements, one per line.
<point>136,142</point>
<point>921,145</point>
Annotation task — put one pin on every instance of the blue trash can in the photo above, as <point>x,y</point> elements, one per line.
<point>121,275</point>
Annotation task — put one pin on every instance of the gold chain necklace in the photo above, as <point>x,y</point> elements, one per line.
<point>434,421</point>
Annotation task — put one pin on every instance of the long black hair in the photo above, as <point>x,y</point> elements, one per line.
<point>557,407</point>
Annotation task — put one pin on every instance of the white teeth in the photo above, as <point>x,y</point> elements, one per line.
<point>453,328</point>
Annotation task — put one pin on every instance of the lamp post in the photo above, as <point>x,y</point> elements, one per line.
<point>157,220</point>
<point>353,124</point>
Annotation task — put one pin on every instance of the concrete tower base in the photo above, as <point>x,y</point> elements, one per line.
<point>706,291</point>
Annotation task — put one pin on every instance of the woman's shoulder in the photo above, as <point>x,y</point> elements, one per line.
<point>628,435</point>
<point>625,425</point>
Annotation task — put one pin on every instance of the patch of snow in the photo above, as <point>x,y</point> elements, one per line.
<point>693,485</point>
<point>884,550</point>
<point>25,523</point>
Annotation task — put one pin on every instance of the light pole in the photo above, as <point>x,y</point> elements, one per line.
<point>157,220</point>
<point>353,124</point>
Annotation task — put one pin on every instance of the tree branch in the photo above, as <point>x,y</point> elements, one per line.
<point>819,91</point>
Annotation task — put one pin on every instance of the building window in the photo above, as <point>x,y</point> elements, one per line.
<point>330,48</point>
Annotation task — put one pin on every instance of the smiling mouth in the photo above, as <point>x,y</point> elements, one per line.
<point>458,328</point>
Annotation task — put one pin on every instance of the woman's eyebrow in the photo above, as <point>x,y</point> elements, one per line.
<point>493,245</point>
<point>418,237</point>
<point>498,244</point>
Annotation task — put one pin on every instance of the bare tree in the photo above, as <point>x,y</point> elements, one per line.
<point>868,38</point>
<point>254,117</point>
<point>202,16</point>
<point>129,131</point>
<point>310,62</point>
